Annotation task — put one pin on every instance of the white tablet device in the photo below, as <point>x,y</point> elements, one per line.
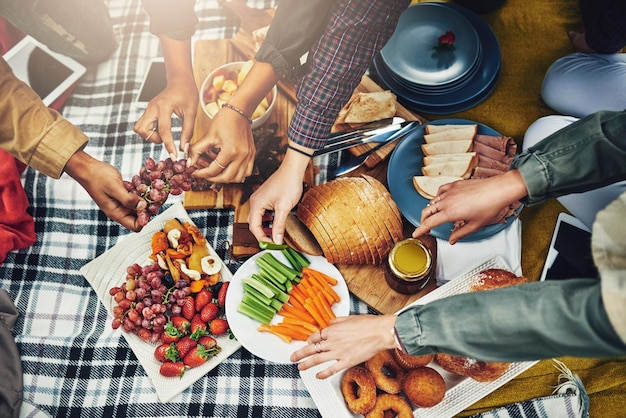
<point>569,255</point>
<point>48,73</point>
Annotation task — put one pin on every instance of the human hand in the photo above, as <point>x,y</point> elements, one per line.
<point>180,97</point>
<point>228,147</point>
<point>104,184</point>
<point>472,203</point>
<point>350,340</point>
<point>280,193</point>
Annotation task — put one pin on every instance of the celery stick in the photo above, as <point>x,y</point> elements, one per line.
<point>294,263</point>
<point>276,304</point>
<point>257,295</point>
<point>302,260</point>
<point>250,300</point>
<point>271,277</point>
<point>254,314</point>
<point>280,295</point>
<point>274,270</point>
<point>251,281</point>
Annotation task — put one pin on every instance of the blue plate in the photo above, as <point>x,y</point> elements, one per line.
<point>409,52</point>
<point>407,161</point>
<point>481,85</point>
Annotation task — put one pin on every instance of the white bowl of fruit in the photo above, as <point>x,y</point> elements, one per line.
<point>220,85</point>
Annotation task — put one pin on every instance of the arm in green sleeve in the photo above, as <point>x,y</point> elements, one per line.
<point>587,154</point>
<point>526,322</point>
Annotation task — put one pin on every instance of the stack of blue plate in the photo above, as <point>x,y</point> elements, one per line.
<point>439,81</point>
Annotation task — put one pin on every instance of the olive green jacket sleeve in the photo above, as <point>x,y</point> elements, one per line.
<point>34,134</point>
<point>175,19</point>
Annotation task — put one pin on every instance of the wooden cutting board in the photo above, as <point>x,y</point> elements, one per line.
<point>365,281</point>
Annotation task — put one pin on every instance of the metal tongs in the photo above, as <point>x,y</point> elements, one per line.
<point>356,161</point>
<point>379,131</point>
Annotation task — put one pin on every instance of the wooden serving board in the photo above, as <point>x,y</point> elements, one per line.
<point>366,282</point>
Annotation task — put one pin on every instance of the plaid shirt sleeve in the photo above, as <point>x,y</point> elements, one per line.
<point>356,31</point>
<point>606,33</point>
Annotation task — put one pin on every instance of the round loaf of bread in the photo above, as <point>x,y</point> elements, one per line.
<point>354,219</point>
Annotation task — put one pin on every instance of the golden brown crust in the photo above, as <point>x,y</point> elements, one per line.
<point>481,371</point>
<point>408,361</point>
<point>358,389</point>
<point>300,238</point>
<point>424,387</point>
<point>304,214</point>
<point>386,402</point>
<point>394,221</point>
<point>358,216</point>
<point>387,373</point>
<point>325,214</point>
<point>496,278</point>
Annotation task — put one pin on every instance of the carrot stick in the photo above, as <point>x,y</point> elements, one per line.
<point>270,329</point>
<point>321,289</point>
<point>319,305</point>
<point>304,324</point>
<point>288,310</point>
<point>329,311</point>
<point>310,307</point>
<point>297,293</point>
<point>294,302</point>
<point>292,331</point>
<point>330,280</point>
<point>327,287</point>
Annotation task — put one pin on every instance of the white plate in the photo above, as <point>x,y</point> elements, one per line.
<point>461,392</point>
<point>109,270</point>
<point>262,344</point>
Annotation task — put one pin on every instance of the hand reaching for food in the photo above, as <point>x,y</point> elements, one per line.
<point>472,204</point>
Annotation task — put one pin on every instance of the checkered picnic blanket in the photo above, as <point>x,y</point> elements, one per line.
<point>74,363</point>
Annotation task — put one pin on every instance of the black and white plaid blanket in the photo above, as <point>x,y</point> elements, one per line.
<point>74,364</point>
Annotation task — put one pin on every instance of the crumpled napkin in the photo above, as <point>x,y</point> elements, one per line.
<point>17,227</point>
<point>454,260</point>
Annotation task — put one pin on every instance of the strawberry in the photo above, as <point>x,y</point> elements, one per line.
<point>203,297</point>
<point>198,327</point>
<point>173,369</point>
<point>188,309</point>
<point>171,333</point>
<point>197,356</point>
<point>166,352</point>
<point>218,326</point>
<point>160,352</point>
<point>182,324</point>
<point>209,312</point>
<point>208,342</point>
<point>184,345</point>
<point>221,295</point>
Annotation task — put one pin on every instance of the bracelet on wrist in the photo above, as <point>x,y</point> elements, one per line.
<point>299,151</point>
<point>236,109</point>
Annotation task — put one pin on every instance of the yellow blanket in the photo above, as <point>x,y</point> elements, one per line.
<point>532,35</point>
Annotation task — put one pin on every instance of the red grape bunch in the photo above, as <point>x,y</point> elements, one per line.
<point>140,302</point>
<point>156,181</point>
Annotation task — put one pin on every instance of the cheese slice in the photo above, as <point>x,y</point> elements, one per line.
<point>431,129</point>
<point>428,186</point>
<point>461,133</point>
<point>451,168</point>
<point>447,147</point>
<point>444,158</point>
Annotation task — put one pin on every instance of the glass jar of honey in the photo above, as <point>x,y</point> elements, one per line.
<point>409,266</point>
